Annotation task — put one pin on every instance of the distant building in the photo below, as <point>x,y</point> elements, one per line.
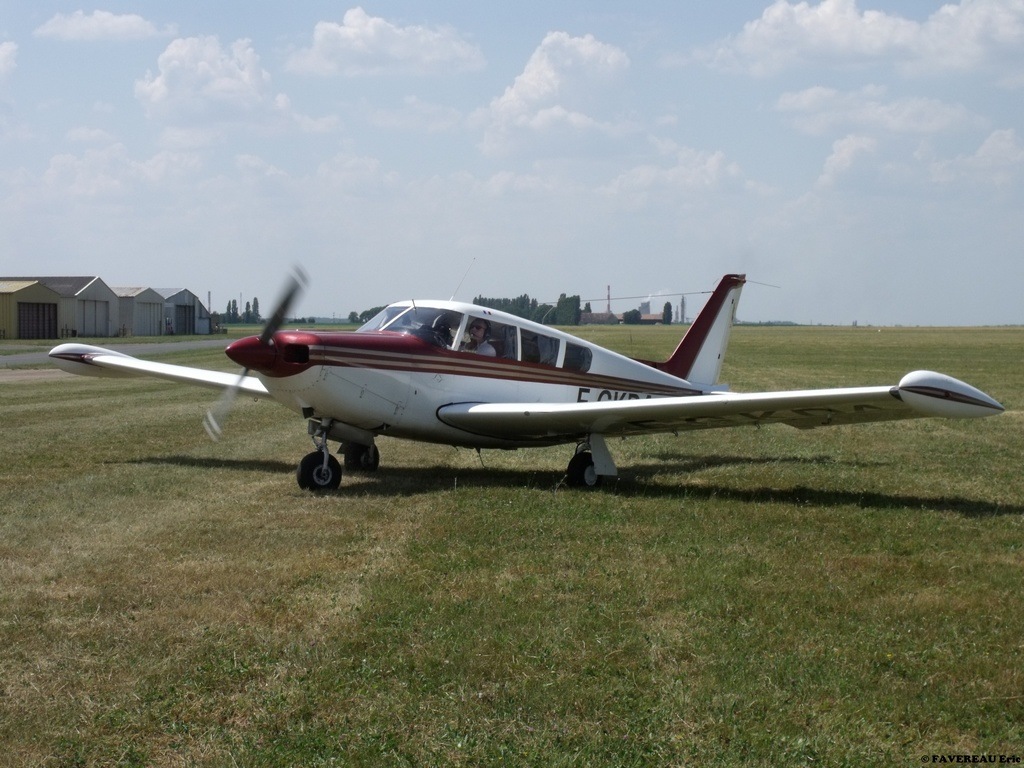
<point>184,313</point>
<point>62,307</point>
<point>140,312</point>
<point>85,307</point>
<point>599,318</point>
<point>28,310</point>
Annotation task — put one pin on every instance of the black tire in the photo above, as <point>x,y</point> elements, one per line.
<point>581,472</point>
<point>314,476</point>
<point>361,458</point>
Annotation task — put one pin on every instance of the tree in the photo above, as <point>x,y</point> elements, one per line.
<point>666,313</point>
<point>632,317</point>
<point>247,317</point>
<point>567,311</point>
<point>353,317</point>
<point>256,311</point>
<point>366,314</point>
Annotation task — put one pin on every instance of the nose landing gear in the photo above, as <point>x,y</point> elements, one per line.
<point>319,471</point>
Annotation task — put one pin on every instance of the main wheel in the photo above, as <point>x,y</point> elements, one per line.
<point>314,476</point>
<point>581,472</point>
<point>361,458</point>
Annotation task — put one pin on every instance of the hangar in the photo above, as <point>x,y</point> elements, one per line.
<point>140,312</point>
<point>184,313</point>
<point>28,310</point>
<point>85,306</point>
<point>56,307</point>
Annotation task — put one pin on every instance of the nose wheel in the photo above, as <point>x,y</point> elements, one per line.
<point>319,470</point>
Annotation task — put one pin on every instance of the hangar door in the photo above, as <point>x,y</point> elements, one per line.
<point>184,319</point>
<point>95,318</point>
<point>37,320</point>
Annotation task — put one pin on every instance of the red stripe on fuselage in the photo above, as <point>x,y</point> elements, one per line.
<point>401,352</point>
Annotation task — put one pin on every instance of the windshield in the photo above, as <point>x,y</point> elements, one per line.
<point>381,319</point>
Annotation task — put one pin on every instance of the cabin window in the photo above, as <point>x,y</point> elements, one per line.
<point>538,348</point>
<point>577,357</point>
<point>505,339</point>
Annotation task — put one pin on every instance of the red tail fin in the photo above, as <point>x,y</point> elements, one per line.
<point>698,358</point>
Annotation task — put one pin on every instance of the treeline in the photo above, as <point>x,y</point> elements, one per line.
<point>249,316</point>
<point>566,311</point>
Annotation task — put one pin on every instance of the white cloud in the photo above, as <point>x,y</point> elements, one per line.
<point>956,37</point>
<point>110,171</point>
<point>257,166</point>
<point>199,78</point>
<point>564,79</point>
<point>844,152</point>
<point>687,170</point>
<point>417,115</point>
<point>8,58</point>
<point>85,135</point>
<point>820,110</point>
<point>998,161</point>
<point>362,44</point>
<point>100,25</point>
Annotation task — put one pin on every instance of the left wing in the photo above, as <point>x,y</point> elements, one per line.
<point>87,360</point>
<point>921,393</point>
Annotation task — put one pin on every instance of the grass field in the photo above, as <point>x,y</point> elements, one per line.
<point>843,597</point>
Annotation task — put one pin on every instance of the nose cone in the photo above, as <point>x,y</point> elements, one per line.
<point>250,353</point>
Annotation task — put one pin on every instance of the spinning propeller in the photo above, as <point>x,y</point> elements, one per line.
<point>216,416</point>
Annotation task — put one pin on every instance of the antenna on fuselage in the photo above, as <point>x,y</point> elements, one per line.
<point>457,287</point>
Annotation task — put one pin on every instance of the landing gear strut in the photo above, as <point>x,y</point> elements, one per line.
<point>319,471</point>
<point>361,458</point>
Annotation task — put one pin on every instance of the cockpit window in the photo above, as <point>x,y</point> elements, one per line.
<point>382,318</point>
<point>436,326</point>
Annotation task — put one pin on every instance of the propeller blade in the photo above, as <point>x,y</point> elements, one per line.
<point>297,281</point>
<point>217,416</point>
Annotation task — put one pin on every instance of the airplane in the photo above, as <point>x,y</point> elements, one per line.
<point>455,373</point>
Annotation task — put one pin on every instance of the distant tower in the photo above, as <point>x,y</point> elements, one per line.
<point>609,309</point>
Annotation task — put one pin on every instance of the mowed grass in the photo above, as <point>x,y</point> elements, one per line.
<point>845,596</point>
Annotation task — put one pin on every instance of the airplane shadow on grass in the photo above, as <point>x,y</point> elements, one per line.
<point>633,482</point>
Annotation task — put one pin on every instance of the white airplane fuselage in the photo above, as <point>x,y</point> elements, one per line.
<point>394,381</point>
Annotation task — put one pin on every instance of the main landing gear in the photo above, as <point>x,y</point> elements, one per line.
<point>320,471</point>
<point>591,464</point>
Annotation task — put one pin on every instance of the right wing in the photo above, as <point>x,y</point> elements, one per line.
<point>921,393</point>
<point>86,360</point>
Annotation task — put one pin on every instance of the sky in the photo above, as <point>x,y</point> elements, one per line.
<point>859,160</point>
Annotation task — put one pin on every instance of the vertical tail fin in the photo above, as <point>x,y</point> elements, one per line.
<point>698,358</point>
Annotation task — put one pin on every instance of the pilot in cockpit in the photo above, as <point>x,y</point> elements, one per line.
<point>479,331</point>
